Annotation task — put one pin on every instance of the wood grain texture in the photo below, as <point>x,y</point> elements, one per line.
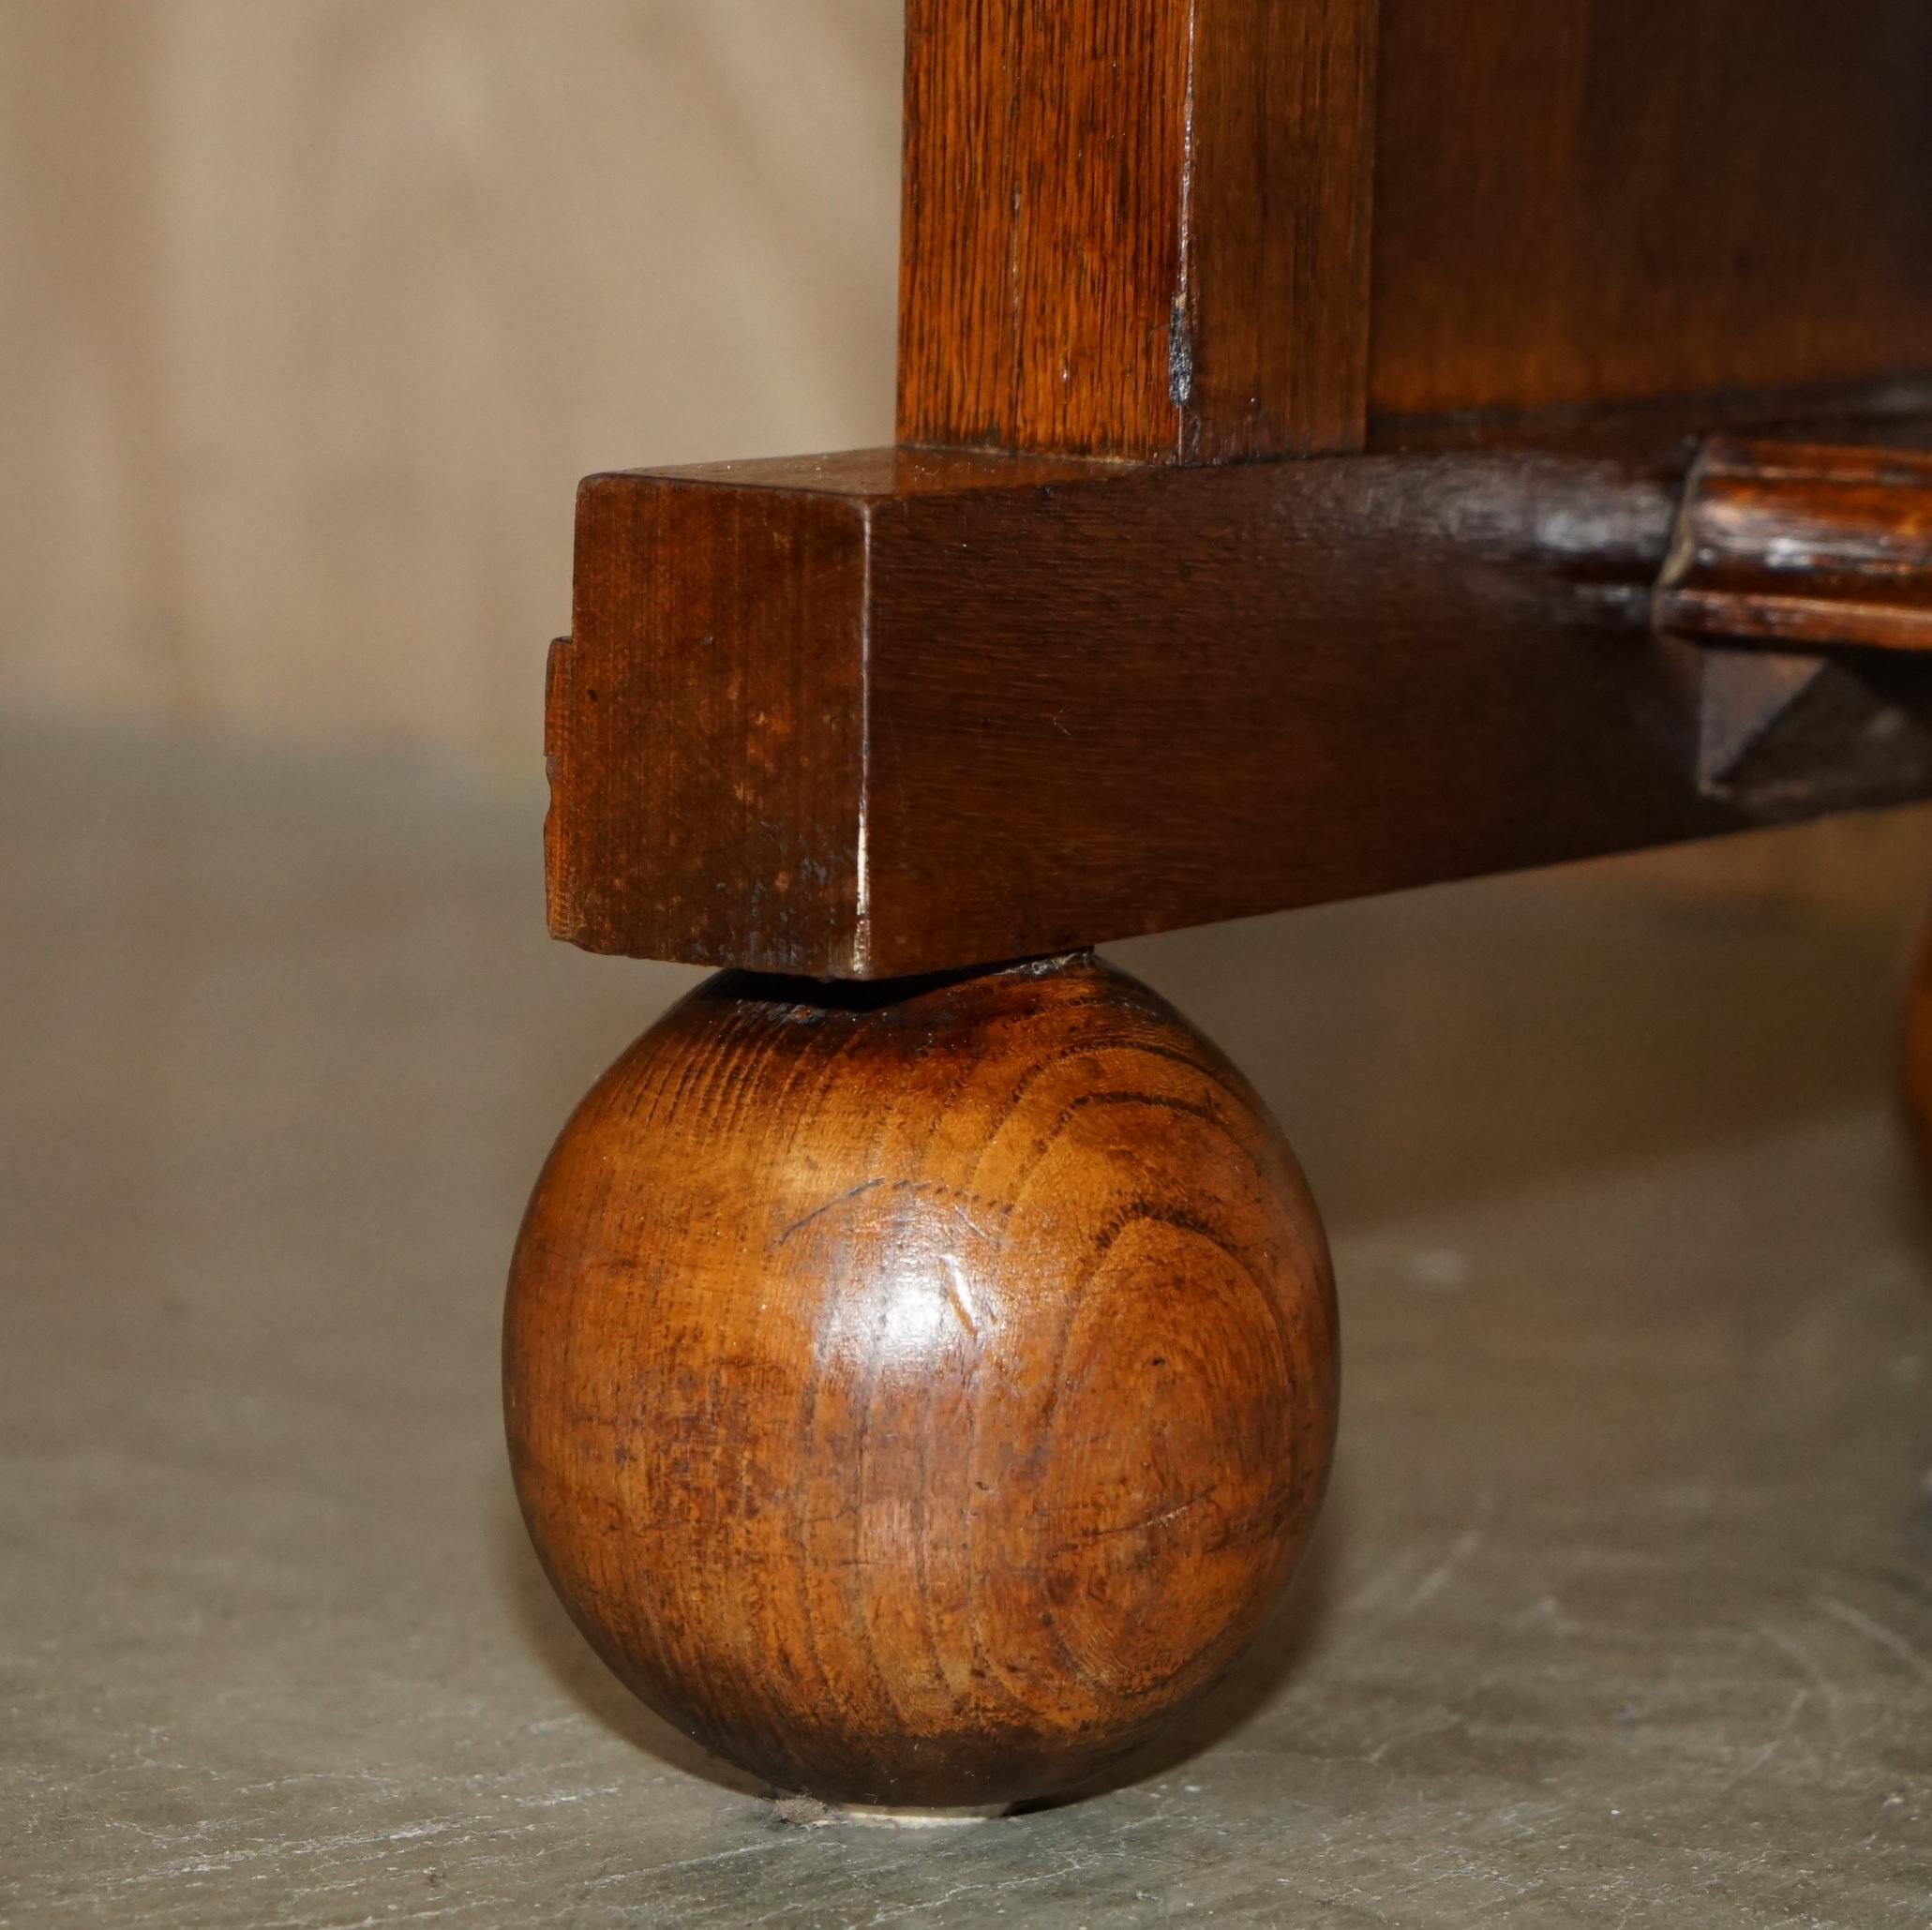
<point>1137,230</point>
<point>917,1395</point>
<point>1803,545</point>
<point>706,722</point>
<point>742,753</point>
<point>1613,199</point>
<point>952,710</point>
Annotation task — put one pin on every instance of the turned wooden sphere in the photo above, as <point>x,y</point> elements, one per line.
<point>916,1393</point>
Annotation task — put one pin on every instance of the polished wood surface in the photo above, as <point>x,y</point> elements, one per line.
<point>1137,231</point>
<point>901,713</point>
<point>1803,545</point>
<point>916,1390</point>
<point>916,1393</point>
<point>1610,199</point>
<point>1213,230</point>
<point>730,751</point>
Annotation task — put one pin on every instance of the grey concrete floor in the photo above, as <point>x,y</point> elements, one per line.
<point>1621,1608</point>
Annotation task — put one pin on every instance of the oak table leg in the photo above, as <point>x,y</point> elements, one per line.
<point>917,1390</point>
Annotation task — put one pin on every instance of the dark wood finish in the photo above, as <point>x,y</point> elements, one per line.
<point>1744,696</point>
<point>896,714</point>
<point>728,756</point>
<point>916,1391</point>
<point>707,721</point>
<point>1792,734</point>
<point>1610,199</point>
<point>1790,561</point>
<point>1802,545</point>
<point>916,1397</point>
<point>1213,230</point>
<point>1894,412</point>
<point>1137,231</point>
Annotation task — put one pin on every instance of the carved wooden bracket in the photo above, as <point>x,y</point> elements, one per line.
<point>1802,545</point>
<point>1805,573</point>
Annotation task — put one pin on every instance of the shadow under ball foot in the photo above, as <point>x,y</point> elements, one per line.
<point>812,1814</point>
<point>1916,1041</point>
<point>918,1392</point>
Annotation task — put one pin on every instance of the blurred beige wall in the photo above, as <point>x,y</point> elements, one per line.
<point>313,312</point>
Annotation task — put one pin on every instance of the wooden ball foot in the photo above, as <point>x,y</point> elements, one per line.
<point>916,1393</point>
